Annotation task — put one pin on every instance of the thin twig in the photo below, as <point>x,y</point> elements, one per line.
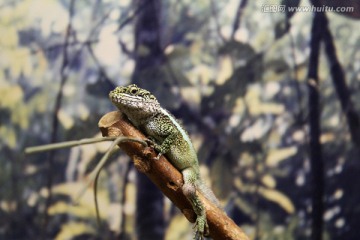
<point>130,18</point>
<point>109,153</point>
<point>126,50</point>
<point>123,199</point>
<point>72,43</point>
<point>296,75</point>
<point>53,146</point>
<point>93,176</point>
<point>217,25</point>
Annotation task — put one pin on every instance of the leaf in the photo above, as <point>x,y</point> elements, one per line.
<point>19,62</point>
<point>268,181</point>
<point>88,153</point>
<point>10,95</point>
<point>30,169</point>
<point>275,196</point>
<point>20,116</point>
<point>256,107</point>
<point>225,70</point>
<point>277,155</point>
<point>87,200</point>
<point>256,131</point>
<point>191,94</point>
<point>83,111</point>
<point>73,229</point>
<point>271,108</point>
<point>327,137</point>
<point>178,229</point>
<point>8,136</point>
<point>11,40</point>
<point>246,207</point>
<point>130,193</point>
<point>222,177</point>
<point>65,119</point>
<point>74,210</point>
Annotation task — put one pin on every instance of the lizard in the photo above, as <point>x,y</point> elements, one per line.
<point>168,137</point>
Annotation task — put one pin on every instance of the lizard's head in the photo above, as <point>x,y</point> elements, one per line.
<point>134,100</point>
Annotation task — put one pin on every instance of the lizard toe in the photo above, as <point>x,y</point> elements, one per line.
<point>201,228</point>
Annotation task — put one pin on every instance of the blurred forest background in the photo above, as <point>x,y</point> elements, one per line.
<point>271,101</point>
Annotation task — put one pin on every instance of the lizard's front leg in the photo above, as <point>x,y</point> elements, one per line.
<point>165,145</point>
<point>189,190</point>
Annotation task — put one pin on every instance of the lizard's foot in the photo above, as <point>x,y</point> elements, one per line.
<point>201,227</point>
<point>151,143</point>
<point>158,156</point>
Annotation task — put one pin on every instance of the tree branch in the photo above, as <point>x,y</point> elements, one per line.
<point>167,178</point>
<point>130,18</point>
<point>239,12</point>
<point>316,160</point>
<point>338,78</point>
<point>215,16</point>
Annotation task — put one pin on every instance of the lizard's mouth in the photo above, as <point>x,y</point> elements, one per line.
<point>123,98</point>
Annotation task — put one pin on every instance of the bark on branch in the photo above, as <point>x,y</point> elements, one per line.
<point>167,178</point>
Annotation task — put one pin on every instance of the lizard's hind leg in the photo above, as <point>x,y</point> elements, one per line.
<point>189,189</point>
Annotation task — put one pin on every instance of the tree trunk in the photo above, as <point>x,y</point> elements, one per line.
<point>148,56</point>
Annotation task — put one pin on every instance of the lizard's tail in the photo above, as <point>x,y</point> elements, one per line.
<point>208,193</point>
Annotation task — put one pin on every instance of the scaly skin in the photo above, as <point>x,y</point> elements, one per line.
<point>170,139</point>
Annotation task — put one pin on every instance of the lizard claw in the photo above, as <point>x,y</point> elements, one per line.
<point>150,143</point>
<point>158,156</point>
<point>201,227</point>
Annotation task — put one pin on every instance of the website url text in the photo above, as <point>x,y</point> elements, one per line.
<point>274,8</point>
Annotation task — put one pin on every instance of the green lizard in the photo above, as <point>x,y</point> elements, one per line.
<point>169,138</point>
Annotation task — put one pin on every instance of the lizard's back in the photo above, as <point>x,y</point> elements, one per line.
<point>163,127</point>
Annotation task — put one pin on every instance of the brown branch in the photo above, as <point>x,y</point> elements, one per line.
<point>167,178</point>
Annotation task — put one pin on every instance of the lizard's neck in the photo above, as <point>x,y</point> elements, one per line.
<point>139,116</point>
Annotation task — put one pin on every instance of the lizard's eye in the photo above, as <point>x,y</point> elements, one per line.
<point>133,90</point>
